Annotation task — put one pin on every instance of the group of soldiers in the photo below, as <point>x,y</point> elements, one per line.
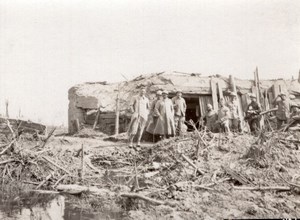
<point>165,117</point>
<point>227,118</point>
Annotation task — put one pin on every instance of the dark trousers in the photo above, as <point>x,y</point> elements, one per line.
<point>280,123</point>
<point>254,124</point>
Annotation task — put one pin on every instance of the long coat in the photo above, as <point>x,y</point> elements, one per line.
<point>152,119</point>
<point>165,123</point>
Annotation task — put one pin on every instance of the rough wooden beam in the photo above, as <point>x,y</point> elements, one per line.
<point>214,94</point>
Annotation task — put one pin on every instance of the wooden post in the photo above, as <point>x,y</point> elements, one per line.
<point>96,119</point>
<point>256,87</point>
<point>82,162</point>
<point>232,80</point>
<point>299,77</point>
<point>214,94</point>
<point>261,98</point>
<point>220,89</point>
<point>6,107</point>
<point>117,113</point>
<point>77,125</point>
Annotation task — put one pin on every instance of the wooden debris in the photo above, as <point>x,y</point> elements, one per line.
<point>7,161</point>
<point>82,162</point>
<point>44,181</point>
<point>48,136</point>
<point>239,177</point>
<point>96,119</point>
<point>191,163</point>
<point>25,126</point>
<point>263,188</point>
<point>50,161</point>
<point>8,147</point>
<point>59,180</point>
<point>268,111</point>
<point>147,199</point>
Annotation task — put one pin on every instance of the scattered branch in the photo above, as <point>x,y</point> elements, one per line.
<point>147,199</point>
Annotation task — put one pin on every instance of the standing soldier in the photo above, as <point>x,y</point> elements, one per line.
<point>283,109</point>
<point>210,118</point>
<point>223,116</point>
<point>294,116</point>
<point>165,126</point>
<point>153,116</point>
<point>234,121</point>
<point>179,111</point>
<point>140,108</point>
<point>253,114</point>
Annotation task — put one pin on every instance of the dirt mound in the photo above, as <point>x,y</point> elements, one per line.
<point>89,133</point>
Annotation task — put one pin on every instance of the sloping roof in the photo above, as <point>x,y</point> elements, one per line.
<point>93,95</point>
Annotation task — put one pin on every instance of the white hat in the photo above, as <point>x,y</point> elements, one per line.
<point>252,95</point>
<point>232,94</point>
<point>159,92</point>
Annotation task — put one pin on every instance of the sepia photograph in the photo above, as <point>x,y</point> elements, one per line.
<point>149,109</point>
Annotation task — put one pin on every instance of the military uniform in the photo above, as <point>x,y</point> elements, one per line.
<point>283,112</point>
<point>252,116</point>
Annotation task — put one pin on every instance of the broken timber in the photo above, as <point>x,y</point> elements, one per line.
<point>25,126</point>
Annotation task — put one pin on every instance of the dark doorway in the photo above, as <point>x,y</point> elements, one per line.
<point>192,111</point>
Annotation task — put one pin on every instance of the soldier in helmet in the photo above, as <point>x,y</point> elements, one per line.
<point>283,109</point>
<point>253,114</point>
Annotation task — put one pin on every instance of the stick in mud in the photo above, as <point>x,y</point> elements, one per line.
<point>82,162</point>
<point>147,199</point>
<point>9,146</point>
<point>47,138</point>
<point>59,180</point>
<point>264,188</point>
<point>50,161</point>
<point>191,163</point>
<point>44,181</point>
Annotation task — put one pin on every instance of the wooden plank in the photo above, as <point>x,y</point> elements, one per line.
<point>220,89</point>
<point>253,90</point>
<point>271,98</point>
<point>276,89</point>
<point>214,94</point>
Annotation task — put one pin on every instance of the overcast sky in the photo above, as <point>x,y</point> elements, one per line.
<point>46,46</point>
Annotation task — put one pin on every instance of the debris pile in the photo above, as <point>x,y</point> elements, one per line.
<point>254,175</point>
<point>196,176</point>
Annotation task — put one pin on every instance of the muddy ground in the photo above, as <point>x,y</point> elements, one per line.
<point>196,176</point>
